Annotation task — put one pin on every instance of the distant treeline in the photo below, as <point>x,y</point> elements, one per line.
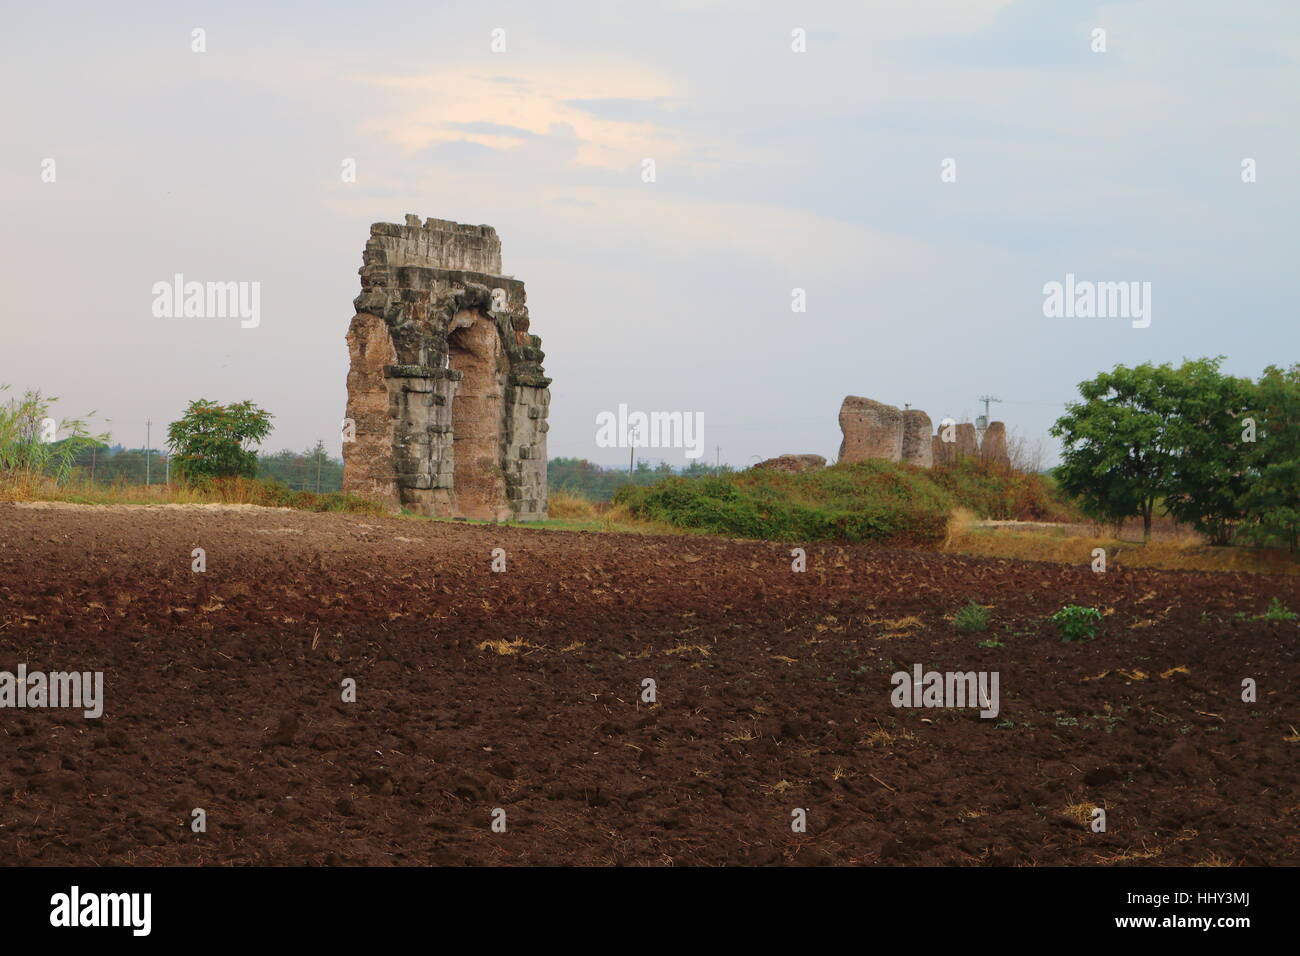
<point>596,483</point>
<point>309,470</point>
<point>315,469</point>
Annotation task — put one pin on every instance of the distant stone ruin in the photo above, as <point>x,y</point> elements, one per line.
<point>875,430</point>
<point>993,448</point>
<point>446,395</point>
<point>968,440</point>
<point>871,430</point>
<point>916,438</point>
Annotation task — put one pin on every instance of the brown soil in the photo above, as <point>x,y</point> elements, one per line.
<point>519,690</point>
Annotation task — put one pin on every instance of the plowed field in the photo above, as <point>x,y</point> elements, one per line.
<point>521,691</point>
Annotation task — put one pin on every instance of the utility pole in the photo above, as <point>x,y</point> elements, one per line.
<point>717,461</point>
<point>986,399</point>
<point>320,448</point>
<point>148,440</point>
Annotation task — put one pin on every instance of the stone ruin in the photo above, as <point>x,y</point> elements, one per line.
<point>875,430</point>
<point>446,395</point>
<point>993,448</point>
<point>871,430</point>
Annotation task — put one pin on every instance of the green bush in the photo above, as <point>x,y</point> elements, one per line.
<point>1076,623</point>
<point>1277,612</point>
<point>276,494</point>
<point>991,491</point>
<point>973,617</point>
<point>865,501</point>
<point>213,441</point>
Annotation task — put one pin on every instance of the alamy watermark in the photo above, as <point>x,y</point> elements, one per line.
<point>179,299</point>
<point>80,690</point>
<point>75,908</point>
<point>626,429</point>
<point>1084,299</point>
<point>946,689</point>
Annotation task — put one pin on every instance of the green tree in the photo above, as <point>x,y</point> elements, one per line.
<point>1205,438</point>
<point>213,441</point>
<point>1271,499</point>
<point>1117,458</point>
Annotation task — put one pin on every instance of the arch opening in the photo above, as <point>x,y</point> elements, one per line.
<point>477,417</point>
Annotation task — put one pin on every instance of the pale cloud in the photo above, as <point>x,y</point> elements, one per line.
<point>460,101</point>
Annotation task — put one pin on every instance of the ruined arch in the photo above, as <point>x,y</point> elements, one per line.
<point>464,400</point>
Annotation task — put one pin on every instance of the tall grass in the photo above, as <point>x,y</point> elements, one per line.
<point>565,505</point>
<point>993,491</point>
<point>1074,544</point>
<point>30,449</point>
<point>78,489</point>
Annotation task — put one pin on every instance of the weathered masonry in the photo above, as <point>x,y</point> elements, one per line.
<point>875,430</point>
<point>446,394</point>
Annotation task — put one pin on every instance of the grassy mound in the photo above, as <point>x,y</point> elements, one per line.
<point>866,501</point>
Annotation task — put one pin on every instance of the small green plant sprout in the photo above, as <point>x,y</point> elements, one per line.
<point>1076,623</point>
<point>991,642</point>
<point>973,617</point>
<point>1276,612</point>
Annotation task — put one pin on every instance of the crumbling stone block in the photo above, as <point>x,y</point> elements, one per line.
<point>871,430</point>
<point>917,447</point>
<point>993,449</point>
<point>967,444</point>
<point>942,450</point>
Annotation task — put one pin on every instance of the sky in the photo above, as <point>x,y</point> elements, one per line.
<point>829,170</point>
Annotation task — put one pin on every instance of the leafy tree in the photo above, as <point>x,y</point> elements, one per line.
<point>1178,437</point>
<point>1271,499</point>
<point>1117,457</point>
<point>1205,437</point>
<point>213,441</point>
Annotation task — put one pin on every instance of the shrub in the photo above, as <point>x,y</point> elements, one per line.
<point>569,504</point>
<point>990,491</point>
<point>213,441</point>
<point>1277,612</point>
<point>864,501</point>
<point>973,617</point>
<point>1076,623</point>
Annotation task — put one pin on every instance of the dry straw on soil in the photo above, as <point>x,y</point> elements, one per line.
<point>1175,549</point>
